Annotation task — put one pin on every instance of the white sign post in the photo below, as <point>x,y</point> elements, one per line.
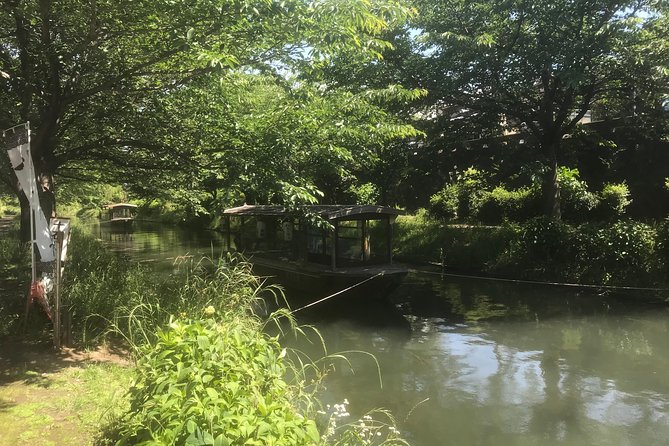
<point>17,141</point>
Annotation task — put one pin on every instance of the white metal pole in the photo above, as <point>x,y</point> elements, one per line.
<point>31,171</point>
<point>56,317</point>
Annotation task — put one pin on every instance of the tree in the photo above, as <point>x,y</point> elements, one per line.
<point>84,73</point>
<point>538,66</point>
<point>263,138</point>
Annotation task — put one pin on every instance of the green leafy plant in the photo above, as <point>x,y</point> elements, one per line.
<point>366,193</point>
<point>621,253</point>
<point>206,382</point>
<point>542,249</point>
<point>502,204</point>
<point>576,200</point>
<point>456,201</point>
<point>444,204</point>
<point>613,201</point>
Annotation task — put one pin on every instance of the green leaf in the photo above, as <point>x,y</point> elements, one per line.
<point>213,393</point>
<point>312,431</point>
<point>222,440</point>
<point>191,426</point>
<point>203,342</point>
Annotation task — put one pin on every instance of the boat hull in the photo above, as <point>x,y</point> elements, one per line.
<point>314,282</point>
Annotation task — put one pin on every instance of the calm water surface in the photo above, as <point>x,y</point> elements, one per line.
<point>467,362</point>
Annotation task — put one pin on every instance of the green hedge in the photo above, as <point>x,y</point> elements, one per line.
<point>470,198</point>
<point>620,253</point>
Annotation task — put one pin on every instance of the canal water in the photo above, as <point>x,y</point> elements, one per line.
<point>471,362</point>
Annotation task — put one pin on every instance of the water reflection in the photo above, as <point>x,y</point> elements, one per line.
<point>514,365</point>
<point>498,364</point>
<point>153,242</point>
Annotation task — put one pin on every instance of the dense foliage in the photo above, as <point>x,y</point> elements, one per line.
<point>207,382</point>
<point>539,68</point>
<point>473,197</point>
<point>624,253</point>
<point>126,91</point>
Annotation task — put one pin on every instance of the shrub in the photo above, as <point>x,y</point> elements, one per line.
<point>501,204</point>
<point>543,249</point>
<point>445,203</point>
<point>205,382</point>
<point>576,200</point>
<point>613,201</point>
<point>622,253</point>
<point>366,193</point>
<point>476,248</point>
<point>456,201</point>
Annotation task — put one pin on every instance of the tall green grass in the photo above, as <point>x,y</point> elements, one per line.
<point>14,280</point>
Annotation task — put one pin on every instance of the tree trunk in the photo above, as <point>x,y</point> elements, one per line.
<point>550,187</point>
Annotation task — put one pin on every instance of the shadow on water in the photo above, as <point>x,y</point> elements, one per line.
<point>464,300</point>
<point>378,312</point>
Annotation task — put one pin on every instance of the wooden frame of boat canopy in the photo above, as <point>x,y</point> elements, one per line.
<point>360,235</point>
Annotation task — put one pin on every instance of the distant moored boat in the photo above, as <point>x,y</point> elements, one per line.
<point>119,214</point>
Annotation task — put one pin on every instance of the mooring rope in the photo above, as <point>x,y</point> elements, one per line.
<point>536,282</point>
<point>337,293</point>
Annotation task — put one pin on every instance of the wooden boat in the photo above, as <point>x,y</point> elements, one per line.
<point>319,249</point>
<point>119,215</point>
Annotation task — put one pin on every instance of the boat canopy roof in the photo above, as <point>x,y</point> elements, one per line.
<point>120,206</point>
<point>334,212</point>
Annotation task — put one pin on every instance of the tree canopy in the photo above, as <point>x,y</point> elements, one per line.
<point>96,79</point>
<point>538,67</point>
<point>212,101</point>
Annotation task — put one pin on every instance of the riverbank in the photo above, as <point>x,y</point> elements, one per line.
<point>625,253</point>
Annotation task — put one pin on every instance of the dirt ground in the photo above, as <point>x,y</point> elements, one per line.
<point>58,398</point>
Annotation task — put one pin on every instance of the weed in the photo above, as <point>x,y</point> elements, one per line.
<point>209,382</point>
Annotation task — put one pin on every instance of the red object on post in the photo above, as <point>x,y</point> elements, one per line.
<point>38,293</point>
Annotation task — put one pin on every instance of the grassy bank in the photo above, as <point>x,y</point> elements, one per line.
<point>623,253</point>
<point>14,279</point>
<point>57,399</point>
<point>203,367</point>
